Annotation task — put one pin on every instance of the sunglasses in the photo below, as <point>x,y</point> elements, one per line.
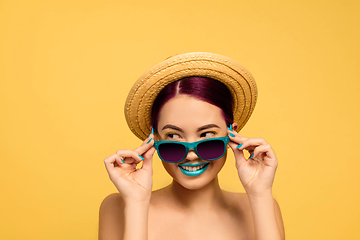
<point>207,149</point>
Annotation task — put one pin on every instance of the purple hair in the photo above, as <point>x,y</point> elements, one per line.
<point>205,89</point>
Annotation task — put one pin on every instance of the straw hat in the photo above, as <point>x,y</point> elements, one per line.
<point>141,97</point>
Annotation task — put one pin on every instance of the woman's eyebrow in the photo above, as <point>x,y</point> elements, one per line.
<point>172,127</point>
<point>207,126</point>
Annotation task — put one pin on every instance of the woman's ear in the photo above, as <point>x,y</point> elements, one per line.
<point>234,126</point>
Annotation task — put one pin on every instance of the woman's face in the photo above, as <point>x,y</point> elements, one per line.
<point>187,119</point>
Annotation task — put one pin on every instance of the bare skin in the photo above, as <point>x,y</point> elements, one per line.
<point>191,207</point>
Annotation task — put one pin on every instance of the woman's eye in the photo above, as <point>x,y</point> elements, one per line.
<point>207,134</point>
<point>173,136</point>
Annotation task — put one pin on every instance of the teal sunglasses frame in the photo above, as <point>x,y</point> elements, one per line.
<point>192,145</point>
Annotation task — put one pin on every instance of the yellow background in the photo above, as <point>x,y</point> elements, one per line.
<point>66,68</point>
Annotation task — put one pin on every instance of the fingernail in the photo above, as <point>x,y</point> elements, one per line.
<point>141,157</point>
<point>152,132</point>
<point>149,140</point>
<point>232,135</point>
<point>252,155</point>
<point>122,160</point>
<point>230,128</point>
<point>239,146</point>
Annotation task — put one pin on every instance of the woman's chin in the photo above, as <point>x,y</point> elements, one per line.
<point>193,184</point>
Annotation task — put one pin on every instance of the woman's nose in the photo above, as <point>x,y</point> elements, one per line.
<point>192,155</point>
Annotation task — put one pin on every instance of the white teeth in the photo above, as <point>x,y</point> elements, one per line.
<point>193,169</point>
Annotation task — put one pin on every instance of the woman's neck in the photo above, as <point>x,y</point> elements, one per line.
<point>203,198</point>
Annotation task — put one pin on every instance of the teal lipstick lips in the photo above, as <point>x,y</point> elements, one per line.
<point>193,169</point>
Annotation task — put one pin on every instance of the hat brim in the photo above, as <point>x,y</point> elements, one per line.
<point>142,95</point>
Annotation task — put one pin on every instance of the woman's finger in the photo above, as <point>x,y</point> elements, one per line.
<point>239,155</point>
<point>148,156</point>
<point>262,149</point>
<point>251,143</point>
<point>129,156</point>
<point>236,137</point>
<point>264,152</point>
<point>233,145</point>
<point>146,145</point>
<point>112,162</point>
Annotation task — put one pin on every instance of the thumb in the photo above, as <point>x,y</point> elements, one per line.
<point>148,158</point>
<point>239,154</point>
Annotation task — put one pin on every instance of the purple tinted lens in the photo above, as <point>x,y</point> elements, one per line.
<point>211,150</point>
<point>172,152</point>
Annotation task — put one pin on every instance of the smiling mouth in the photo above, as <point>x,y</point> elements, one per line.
<point>193,169</point>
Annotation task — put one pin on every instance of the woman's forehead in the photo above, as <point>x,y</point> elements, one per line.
<point>184,110</point>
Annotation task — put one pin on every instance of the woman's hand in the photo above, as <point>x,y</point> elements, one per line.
<point>257,172</point>
<point>134,185</point>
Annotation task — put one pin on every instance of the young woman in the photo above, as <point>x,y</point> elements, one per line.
<point>195,103</point>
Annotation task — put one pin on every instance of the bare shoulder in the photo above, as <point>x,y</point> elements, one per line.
<point>114,198</point>
<point>112,204</point>
<point>163,200</point>
<point>111,216</point>
<point>239,206</point>
<point>159,195</point>
<point>240,200</point>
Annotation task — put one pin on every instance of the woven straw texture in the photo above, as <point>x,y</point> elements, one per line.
<point>145,90</point>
